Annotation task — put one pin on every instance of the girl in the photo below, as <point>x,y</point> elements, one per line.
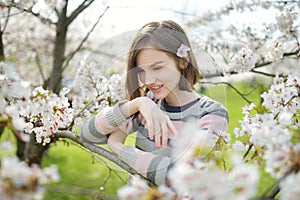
<point>161,73</point>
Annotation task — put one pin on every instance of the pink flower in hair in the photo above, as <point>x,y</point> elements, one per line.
<point>182,51</point>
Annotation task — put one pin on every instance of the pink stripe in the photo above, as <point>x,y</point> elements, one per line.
<point>214,122</point>
<point>103,126</point>
<point>143,161</point>
<point>101,123</point>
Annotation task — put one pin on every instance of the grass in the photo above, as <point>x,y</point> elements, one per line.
<point>82,173</point>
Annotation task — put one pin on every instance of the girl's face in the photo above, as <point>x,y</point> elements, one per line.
<point>159,73</point>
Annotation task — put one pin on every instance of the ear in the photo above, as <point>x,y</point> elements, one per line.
<point>183,63</point>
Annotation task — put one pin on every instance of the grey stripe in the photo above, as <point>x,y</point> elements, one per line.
<point>162,169</point>
<point>129,154</point>
<point>89,133</point>
<point>157,170</point>
<point>199,109</point>
<point>151,171</point>
<point>149,146</point>
<point>114,115</point>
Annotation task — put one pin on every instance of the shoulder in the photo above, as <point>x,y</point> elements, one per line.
<point>212,106</point>
<point>205,101</point>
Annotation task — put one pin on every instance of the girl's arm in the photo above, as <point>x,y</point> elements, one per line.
<point>147,164</point>
<point>116,141</point>
<point>111,119</point>
<point>157,122</point>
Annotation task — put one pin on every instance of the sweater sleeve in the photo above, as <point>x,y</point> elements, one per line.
<point>151,166</point>
<point>215,117</point>
<point>97,128</point>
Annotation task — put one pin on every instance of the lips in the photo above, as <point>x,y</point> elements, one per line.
<point>155,88</point>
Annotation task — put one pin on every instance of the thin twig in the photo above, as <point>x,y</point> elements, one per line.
<point>230,85</point>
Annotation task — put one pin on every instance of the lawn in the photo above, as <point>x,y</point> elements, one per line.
<point>83,174</point>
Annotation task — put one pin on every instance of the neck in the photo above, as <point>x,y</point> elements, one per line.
<point>181,98</point>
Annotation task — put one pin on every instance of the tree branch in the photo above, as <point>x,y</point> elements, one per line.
<point>96,149</point>
<point>231,86</point>
<point>99,151</point>
<point>83,40</point>
<point>38,15</point>
<point>78,10</point>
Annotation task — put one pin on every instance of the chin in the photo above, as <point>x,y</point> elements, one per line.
<point>159,96</point>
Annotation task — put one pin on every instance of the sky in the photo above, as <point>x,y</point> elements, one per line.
<point>125,16</point>
<point>132,14</point>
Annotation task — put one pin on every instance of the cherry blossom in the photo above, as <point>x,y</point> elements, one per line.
<point>182,51</point>
<point>19,181</point>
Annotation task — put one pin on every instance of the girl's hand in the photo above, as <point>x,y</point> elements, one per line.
<point>156,121</point>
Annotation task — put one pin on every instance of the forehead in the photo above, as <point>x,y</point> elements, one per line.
<point>150,56</point>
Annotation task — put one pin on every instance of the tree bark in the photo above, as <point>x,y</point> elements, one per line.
<point>2,57</point>
<point>34,151</point>
<point>59,52</point>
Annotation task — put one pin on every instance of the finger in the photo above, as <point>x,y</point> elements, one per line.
<point>142,119</point>
<point>165,135</point>
<point>157,139</point>
<point>157,133</point>
<point>150,128</point>
<point>171,127</point>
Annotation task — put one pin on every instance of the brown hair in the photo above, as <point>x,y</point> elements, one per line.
<point>166,36</point>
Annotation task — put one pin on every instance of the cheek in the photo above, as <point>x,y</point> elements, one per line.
<point>172,79</point>
<point>141,77</point>
<point>173,75</point>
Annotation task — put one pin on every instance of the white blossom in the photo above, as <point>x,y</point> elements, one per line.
<point>289,189</point>
<point>19,181</point>
<point>276,50</point>
<point>135,190</point>
<point>243,61</point>
<point>286,18</point>
<point>244,180</point>
<point>238,146</point>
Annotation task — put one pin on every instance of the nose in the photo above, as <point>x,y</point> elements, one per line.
<point>148,78</point>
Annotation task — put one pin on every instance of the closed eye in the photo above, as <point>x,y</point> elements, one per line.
<point>157,67</point>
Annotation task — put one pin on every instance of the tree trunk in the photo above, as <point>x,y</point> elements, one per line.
<point>2,57</point>
<point>34,151</point>
<point>21,146</point>
<point>2,127</point>
<point>59,52</point>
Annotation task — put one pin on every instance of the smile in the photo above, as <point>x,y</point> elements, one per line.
<point>156,87</point>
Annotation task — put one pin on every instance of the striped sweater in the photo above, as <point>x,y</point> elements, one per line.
<point>145,157</point>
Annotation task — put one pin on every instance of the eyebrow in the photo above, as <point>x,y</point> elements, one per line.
<point>152,64</point>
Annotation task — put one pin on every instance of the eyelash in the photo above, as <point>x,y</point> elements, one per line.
<point>157,67</point>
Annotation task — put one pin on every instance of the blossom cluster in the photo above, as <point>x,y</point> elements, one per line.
<point>276,50</point>
<point>138,189</point>
<point>12,90</point>
<point>273,127</point>
<point>46,113</point>
<point>39,111</point>
<point>200,156</point>
<point>287,18</point>
<point>267,40</point>
<point>243,61</point>
<point>204,159</point>
<point>93,91</point>
<point>19,181</point>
